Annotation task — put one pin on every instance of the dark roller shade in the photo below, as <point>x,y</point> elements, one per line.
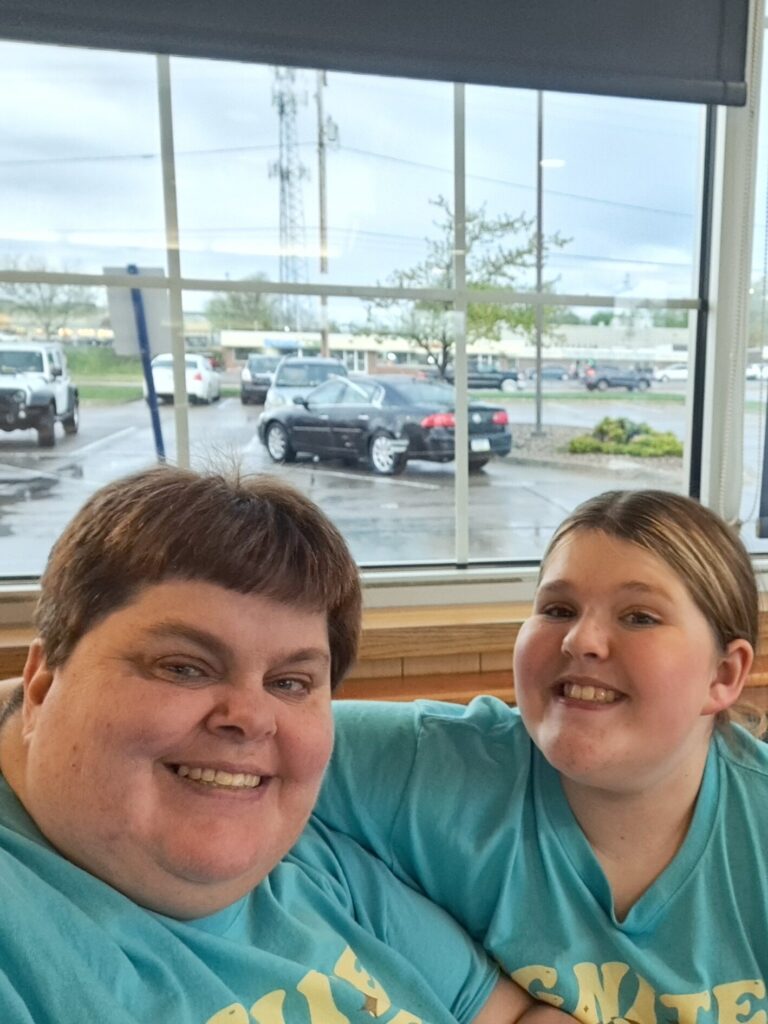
<point>690,50</point>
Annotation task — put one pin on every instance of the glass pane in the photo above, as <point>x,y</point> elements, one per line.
<point>80,174</point>
<point>622,195</point>
<point>609,411</point>
<point>250,172</point>
<point>501,185</point>
<point>349,457</point>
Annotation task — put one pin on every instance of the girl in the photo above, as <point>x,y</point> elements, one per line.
<point>608,842</point>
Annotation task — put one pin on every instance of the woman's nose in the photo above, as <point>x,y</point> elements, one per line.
<point>244,714</point>
<point>587,637</point>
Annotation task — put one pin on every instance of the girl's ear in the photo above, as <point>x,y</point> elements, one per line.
<point>37,679</point>
<point>730,677</point>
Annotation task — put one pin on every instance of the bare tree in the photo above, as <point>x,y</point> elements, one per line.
<point>48,306</point>
<point>245,310</point>
<point>498,249</point>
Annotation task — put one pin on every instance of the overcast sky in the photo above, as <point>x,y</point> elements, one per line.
<point>80,182</point>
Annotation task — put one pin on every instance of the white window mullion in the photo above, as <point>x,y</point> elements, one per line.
<point>173,256</point>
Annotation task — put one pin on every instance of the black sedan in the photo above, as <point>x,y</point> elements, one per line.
<point>385,420</point>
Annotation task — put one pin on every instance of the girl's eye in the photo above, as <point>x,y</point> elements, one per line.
<point>557,611</point>
<point>641,619</point>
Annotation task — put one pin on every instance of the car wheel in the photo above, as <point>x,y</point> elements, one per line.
<point>602,385</point>
<point>278,443</point>
<point>664,379</point>
<point>643,385</point>
<point>476,464</point>
<point>71,422</point>
<point>383,459</point>
<point>508,385</point>
<point>46,436</point>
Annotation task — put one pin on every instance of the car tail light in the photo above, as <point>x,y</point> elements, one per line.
<point>197,376</point>
<point>439,419</point>
<point>500,418</point>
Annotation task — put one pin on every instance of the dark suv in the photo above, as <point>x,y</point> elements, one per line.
<point>256,377</point>
<point>608,375</point>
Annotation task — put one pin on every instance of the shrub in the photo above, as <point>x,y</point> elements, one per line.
<point>620,436</point>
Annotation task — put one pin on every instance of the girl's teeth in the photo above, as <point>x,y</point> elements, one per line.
<point>591,694</point>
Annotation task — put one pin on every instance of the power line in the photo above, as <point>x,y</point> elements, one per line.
<point>403,161</point>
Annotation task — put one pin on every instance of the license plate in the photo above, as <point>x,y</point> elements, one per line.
<point>479,444</point>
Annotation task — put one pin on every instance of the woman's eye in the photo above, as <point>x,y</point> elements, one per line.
<point>641,619</point>
<point>183,671</point>
<point>291,687</point>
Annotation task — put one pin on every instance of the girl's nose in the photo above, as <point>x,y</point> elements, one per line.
<point>586,638</point>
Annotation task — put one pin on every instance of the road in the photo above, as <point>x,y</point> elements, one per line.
<point>405,519</point>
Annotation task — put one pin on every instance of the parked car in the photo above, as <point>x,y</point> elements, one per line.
<point>675,371</point>
<point>36,391</point>
<point>256,377</point>
<point>504,380</point>
<point>551,371</point>
<point>384,420</point>
<point>757,371</point>
<point>606,375</point>
<point>296,376</point>
<point>203,384</point>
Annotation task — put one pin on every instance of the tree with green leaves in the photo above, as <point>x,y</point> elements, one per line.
<point>498,249</point>
<point>45,305</point>
<point>251,311</point>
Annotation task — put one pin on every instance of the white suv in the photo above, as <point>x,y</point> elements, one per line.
<point>36,391</point>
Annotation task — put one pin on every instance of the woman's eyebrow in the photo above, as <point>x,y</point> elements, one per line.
<point>172,629</point>
<point>204,638</point>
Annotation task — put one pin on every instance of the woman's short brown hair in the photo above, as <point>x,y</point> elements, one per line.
<point>251,534</point>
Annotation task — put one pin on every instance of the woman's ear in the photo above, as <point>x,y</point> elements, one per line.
<point>37,677</point>
<point>730,677</point>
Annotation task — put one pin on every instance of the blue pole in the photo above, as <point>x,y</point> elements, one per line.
<point>146,365</point>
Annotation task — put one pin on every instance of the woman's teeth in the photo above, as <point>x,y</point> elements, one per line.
<point>593,694</point>
<point>216,777</point>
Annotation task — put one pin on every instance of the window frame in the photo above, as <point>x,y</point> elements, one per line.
<point>715,420</point>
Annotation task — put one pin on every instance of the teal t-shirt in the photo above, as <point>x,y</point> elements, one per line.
<point>330,937</point>
<point>460,802</point>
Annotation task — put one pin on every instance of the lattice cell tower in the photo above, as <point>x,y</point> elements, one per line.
<point>290,172</point>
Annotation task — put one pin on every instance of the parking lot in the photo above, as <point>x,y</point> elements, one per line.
<point>513,506</point>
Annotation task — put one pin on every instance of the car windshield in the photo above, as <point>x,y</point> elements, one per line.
<point>424,392</point>
<point>306,374</point>
<point>261,364</point>
<point>19,361</point>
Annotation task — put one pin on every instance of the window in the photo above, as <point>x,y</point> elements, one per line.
<point>343,246</point>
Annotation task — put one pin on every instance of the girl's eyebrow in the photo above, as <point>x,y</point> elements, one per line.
<point>636,586</point>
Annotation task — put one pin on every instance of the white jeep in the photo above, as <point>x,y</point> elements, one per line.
<point>36,391</point>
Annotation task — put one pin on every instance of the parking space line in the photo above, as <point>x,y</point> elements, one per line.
<point>93,445</point>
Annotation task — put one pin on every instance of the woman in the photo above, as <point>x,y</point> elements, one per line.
<point>163,756</point>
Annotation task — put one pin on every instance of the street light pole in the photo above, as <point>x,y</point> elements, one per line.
<point>321,144</point>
